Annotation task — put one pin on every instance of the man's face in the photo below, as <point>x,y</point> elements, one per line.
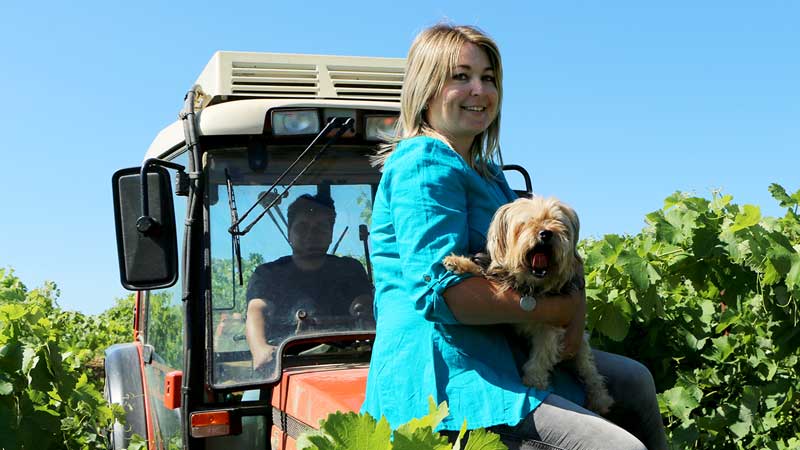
<point>311,232</point>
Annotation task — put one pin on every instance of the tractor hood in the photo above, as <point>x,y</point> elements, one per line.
<point>309,395</point>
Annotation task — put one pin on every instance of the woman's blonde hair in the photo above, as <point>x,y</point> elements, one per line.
<point>430,63</point>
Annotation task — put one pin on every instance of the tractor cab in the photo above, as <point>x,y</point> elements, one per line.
<point>217,221</point>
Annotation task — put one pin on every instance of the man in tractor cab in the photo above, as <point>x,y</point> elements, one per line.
<point>300,291</point>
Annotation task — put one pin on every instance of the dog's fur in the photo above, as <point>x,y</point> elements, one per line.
<point>532,249</point>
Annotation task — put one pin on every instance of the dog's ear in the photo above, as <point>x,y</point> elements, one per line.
<point>497,236</point>
<point>575,226</point>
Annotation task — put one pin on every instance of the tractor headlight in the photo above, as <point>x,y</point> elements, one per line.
<point>380,128</point>
<point>295,122</point>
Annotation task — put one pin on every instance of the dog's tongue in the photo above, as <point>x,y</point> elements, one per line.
<point>540,261</point>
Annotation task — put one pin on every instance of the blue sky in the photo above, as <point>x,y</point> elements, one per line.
<point>612,106</point>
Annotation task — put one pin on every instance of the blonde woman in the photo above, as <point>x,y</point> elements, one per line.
<point>437,332</point>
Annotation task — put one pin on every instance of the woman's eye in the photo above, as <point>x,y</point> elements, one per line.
<point>460,76</point>
<point>489,78</point>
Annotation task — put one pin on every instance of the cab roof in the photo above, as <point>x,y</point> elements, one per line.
<point>236,89</point>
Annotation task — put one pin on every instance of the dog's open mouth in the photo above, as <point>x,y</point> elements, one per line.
<point>539,259</point>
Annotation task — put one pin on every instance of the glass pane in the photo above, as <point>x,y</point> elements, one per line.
<point>304,266</point>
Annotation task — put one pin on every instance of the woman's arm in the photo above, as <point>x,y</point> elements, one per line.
<point>573,337</point>
<point>478,301</point>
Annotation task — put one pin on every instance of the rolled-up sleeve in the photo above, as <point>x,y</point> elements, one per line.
<point>427,194</point>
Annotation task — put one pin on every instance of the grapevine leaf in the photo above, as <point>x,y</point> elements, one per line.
<point>685,435</point>
<point>418,439</point>
<point>695,342</point>
<point>741,429</point>
<point>675,225</point>
<point>6,388</point>
<point>30,358</point>
<point>350,430</point>
<point>720,201</point>
<point>11,357</point>
<point>715,421</point>
<point>664,230</point>
<point>614,244</point>
<point>708,309</point>
<point>481,439</point>
<point>704,241</point>
<point>46,409</point>
<point>681,401</point>
<point>640,271</point>
<point>728,318</point>
<point>723,347</point>
<point>435,415</point>
<point>675,199</point>
<point>780,254</point>
<point>769,421</point>
<point>771,275</point>
<point>612,320</point>
<point>683,221</point>
<point>779,194</point>
<point>650,303</point>
<point>749,216</point>
<point>461,433</point>
<point>636,268</point>
<point>14,311</point>
<point>793,277</point>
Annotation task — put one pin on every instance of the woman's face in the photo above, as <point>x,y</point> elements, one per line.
<point>467,104</point>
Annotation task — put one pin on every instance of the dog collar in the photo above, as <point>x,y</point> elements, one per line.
<point>527,303</point>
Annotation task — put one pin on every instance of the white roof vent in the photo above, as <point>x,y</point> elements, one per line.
<point>235,75</point>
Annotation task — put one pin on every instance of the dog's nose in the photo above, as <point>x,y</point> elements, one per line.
<point>545,235</point>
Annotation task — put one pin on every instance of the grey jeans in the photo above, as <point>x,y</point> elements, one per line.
<point>634,422</point>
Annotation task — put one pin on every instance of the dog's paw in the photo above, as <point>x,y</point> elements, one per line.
<point>537,380</point>
<point>460,265</point>
<point>599,401</point>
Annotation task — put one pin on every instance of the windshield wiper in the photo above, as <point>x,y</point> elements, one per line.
<point>236,248</point>
<point>342,123</point>
<point>283,223</point>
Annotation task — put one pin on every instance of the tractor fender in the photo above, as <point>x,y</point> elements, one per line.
<point>124,387</point>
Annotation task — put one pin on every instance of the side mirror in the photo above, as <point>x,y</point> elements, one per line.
<point>146,240</point>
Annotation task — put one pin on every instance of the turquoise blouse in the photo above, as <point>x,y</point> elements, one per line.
<point>431,204</point>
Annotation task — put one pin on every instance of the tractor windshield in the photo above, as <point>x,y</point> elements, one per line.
<point>301,271</point>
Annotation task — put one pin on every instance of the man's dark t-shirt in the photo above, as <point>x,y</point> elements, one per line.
<point>328,291</point>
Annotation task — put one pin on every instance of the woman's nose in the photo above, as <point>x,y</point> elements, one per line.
<point>476,86</point>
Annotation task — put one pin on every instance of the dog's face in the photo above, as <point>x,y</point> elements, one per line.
<point>535,241</point>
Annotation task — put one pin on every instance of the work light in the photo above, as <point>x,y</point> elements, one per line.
<point>380,128</point>
<point>295,122</point>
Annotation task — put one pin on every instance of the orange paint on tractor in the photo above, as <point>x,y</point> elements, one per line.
<point>310,395</point>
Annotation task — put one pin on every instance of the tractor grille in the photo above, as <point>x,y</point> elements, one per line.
<point>231,75</point>
<point>274,80</point>
<point>378,83</point>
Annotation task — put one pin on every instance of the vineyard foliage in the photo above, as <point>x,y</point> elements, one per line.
<point>50,397</point>
<point>345,431</point>
<point>707,297</point>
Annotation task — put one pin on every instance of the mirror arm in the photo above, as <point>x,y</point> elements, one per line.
<point>525,175</point>
<point>147,224</point>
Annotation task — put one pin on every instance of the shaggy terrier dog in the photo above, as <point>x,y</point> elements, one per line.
<point>532,249</point>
